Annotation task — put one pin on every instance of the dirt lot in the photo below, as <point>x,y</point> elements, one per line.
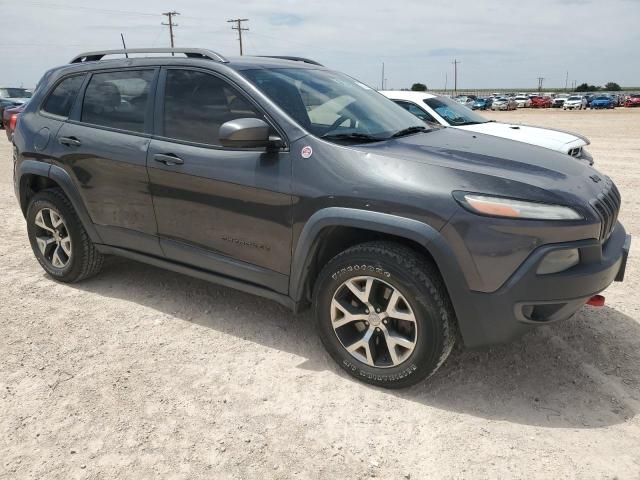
<point>142,373</point>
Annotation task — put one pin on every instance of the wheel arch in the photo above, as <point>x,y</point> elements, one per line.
<point>332,230</point>
<point>35,176</point>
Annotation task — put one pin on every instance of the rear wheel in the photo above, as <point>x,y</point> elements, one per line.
<point>58,238</point>
<point>383,314</point>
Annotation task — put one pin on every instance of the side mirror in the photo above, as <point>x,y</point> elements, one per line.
<point>247,133</point>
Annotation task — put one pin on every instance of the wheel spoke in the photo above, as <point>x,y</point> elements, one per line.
<point>361,293</point>
<point>340,315</point>
<point>56,220</point>
<point>43,243</point>
<point>393,310</point>
<point>41,222</point>
<point>363,344</point>
<point>392,340</point>
<point>56,260</point>
<point>65,243</point>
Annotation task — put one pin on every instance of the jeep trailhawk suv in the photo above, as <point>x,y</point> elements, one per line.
<point>285,179</point>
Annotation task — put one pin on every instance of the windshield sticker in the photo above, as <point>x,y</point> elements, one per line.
<point>306,152</point>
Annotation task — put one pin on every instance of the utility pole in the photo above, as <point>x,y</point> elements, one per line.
<point>455,76</point>
<point>540,80</point>
<point>566,81</point>
<point>238,27</point>
<point>382,78</point>
<point>171,24</point>
<point>446,79</point>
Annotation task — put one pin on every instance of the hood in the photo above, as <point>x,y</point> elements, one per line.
<point>516,166</point>
<point>542,137</point>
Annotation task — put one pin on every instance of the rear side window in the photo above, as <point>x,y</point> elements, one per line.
<point>61,99</point>
<point>196,104</point>
<point>118,99</point>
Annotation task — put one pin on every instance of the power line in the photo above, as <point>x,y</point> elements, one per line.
<point>238,27</point>
<point>540,80</point>
<point>170,16</point>
<point>455,76</point>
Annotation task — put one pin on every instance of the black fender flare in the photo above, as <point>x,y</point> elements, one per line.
<point>63,179</point>
<point>410,229</point>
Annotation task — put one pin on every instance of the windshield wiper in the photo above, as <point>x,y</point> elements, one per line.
<point>471,123</point>
<point>361,137</point>
<point>408,131</point>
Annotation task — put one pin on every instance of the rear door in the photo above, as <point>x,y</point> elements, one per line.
<point>103,146</point>
<point>221,209</point>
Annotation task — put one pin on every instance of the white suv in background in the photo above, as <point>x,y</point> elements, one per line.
<point>439,110</point>
<point>575,102</point>
<point>522,101</point>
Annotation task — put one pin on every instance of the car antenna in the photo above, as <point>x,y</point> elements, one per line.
<point>124,45</point>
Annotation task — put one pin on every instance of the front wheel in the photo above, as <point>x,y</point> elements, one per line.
<point>384,315</point>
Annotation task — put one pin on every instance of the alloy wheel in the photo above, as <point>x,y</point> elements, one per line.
<point>374,322</point>
<point>52,237</point>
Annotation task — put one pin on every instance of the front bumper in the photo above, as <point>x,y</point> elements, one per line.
<point>528,300</point>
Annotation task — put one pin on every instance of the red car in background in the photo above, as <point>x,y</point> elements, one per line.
<point>632,100</point>
<point>10,119</point>
<point>540,102</point>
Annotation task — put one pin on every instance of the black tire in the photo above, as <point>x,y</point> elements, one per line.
<point>84,261</point>
<point>418,280</point>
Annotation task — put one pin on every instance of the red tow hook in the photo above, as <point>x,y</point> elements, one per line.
<point>596,301</point>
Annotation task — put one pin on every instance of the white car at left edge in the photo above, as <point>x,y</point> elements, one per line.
<point>444,111</point>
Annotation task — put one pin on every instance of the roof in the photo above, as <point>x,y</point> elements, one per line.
<point>407,95</point>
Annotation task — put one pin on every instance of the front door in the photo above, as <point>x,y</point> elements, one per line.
<point>220,209</point>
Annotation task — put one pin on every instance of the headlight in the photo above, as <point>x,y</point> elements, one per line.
<point>512,208</point>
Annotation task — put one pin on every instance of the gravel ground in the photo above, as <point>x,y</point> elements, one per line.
<point>141,373</point>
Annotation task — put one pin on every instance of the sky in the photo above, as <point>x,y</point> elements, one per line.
<point>500,43</point>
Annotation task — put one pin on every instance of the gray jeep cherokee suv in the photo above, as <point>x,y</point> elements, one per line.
<point>285,179</point>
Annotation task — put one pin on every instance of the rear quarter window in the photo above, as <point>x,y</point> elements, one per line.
<point>61,99</point>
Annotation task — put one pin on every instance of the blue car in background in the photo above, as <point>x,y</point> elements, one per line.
<point>482,104</point>
<point>602,102</point>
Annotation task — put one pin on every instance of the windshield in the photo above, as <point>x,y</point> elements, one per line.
<point>603,98</point>
<point>521,98</point>
<point>15,93</point>
<point>333,105</point>
<point>574,98</point>
<point>454,113</point>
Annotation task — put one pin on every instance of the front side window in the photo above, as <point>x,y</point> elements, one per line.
<point>417,111</point>
<point>60,101</point>
<point>118,99</point>
<point>196,104</point>
<point>332,105</point>
<point>454,113</point>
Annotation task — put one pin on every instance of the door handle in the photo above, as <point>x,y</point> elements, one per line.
<point>168,159</point>
<point>70,141</point>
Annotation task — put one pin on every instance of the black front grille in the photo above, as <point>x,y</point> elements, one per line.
<point>607,206</point>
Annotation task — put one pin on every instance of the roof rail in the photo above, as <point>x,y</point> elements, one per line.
<point>189,52</point>
<point>294,59</point>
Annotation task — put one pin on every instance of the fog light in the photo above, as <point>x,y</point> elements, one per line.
<point>558,261</point>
